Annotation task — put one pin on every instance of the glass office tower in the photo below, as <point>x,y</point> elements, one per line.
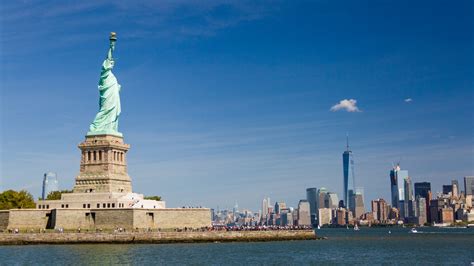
<point>311,197</point>
<point>348,173</point>
<point>50,183</point>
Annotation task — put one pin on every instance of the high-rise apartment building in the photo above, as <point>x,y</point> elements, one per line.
<point>50,184</point>
<point>380,210</point>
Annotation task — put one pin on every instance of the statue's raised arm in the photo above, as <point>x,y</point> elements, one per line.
<point>106,120</point>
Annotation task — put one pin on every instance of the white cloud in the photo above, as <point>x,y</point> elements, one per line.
<point>348,105</point>
<point>408,100</point>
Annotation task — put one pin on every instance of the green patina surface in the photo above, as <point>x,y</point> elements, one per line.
<point>106,120</point>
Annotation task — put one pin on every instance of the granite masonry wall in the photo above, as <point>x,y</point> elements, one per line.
<point>29,218</point>
<point>105,218</point>
<point>4,216</point>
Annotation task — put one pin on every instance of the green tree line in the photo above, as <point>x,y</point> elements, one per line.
<point>11,199</point>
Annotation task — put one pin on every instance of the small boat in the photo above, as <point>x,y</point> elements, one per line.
<point>319,227</point>
<point>413,230</point>
<point>389,232</point>
<point>356,228</point>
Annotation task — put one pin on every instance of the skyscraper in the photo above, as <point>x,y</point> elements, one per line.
<point>397,179</point>
<point>321,198</point>
<point>279,206</point>
<point>265,205</point>
<point>304,217</point>
<point>332,200</point>
<point>348,172</point>
<point>311,197</point>
<point>421,211</point>
<point>408,197</point>
<point>447,189</point>
<point>455,185</point>
<point>50,183</point>
<point>422,188</point>
<point>394,186</point>
<point>380,210</point>
<point>469,187</point>
<point>357,202</point>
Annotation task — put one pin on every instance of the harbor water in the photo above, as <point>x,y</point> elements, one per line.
<point>438,246</point>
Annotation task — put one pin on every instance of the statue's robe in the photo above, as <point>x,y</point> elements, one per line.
<point>106,120</point>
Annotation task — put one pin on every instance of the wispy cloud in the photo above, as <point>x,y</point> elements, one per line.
<point>52,24</point>
<point>408,100</point>
<point>347,105</point>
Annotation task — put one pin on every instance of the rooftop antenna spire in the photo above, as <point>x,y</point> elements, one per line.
<point>347,141</point>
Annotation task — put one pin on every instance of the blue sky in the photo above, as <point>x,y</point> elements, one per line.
<point>226,102</point>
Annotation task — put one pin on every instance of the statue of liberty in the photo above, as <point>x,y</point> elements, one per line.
<point>106,120</point>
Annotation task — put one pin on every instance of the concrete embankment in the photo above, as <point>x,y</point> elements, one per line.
<point>154,237</point>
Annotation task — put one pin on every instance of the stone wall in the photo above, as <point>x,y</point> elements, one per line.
<point>4,216</point>
<point>106,218</point>
<point>28,218</point>
<point>110,218</point>
<point>180,218</point>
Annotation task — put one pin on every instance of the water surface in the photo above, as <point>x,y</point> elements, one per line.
<point>367,246</point>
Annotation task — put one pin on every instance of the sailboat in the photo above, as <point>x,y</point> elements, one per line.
<point>356,228</point>
<point>319,227</point>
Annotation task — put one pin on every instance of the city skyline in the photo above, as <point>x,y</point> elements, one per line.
<point>250,99</point>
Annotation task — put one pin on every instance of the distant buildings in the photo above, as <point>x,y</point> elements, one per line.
<point>397,185</point>
<point>332,200</point>
<point>447,189</point>
<point>50,183</point>
<point>421,211</point>
<point>356,201</point>
<point>469,185</point>
<point>321,198</point>
<point>265,207</point>
<point>311,197</point>
<point>304,217</point>
<point>380,210</point>
<point>422,189</point>
<point>279,206</point>
<point>324,216</point>
<point>348,172</point>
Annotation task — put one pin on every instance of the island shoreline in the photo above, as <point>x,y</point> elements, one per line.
<point>155,237</point>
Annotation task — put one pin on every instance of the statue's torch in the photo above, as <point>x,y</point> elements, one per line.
<point>113,39</point>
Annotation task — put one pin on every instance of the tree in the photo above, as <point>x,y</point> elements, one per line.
<point>158,198</point>
<point>11,199</point>
<point>56,195</point>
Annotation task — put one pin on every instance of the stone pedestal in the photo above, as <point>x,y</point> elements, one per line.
<point>103,165</point>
